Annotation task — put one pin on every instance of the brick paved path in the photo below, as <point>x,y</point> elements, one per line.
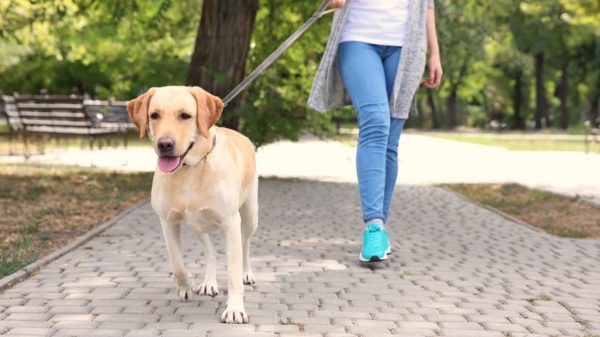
<point>457,270</point>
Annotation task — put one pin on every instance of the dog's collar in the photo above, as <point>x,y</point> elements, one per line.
<point>214,143</point>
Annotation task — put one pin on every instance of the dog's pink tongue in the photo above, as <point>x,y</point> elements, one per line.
<point>168,163</point>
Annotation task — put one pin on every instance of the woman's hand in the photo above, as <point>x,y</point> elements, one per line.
<point>435,72</point>
<point>338,3</point>
<point>435,63</point>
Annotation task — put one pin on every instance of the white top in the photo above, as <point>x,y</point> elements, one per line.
<point>381,22</point>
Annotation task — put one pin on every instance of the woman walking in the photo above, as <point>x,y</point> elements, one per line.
<point>375,59</point>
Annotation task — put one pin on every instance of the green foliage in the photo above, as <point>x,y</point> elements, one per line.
<point>497,42</point>
<point>118,48</point>
<point>106,48</point>
<point>276,101</point>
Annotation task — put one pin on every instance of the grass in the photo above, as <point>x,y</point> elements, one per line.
<point>557,215</point>
<point>539,297</point>
<point>346,139</point>
<point>19,253</point>
<point>509,141</point>
<point>583,322</point>
<point>43,143</point>
<point>288,321</point>
<point>518,142</point>
<point>43,208</point>
<point>544,297</point>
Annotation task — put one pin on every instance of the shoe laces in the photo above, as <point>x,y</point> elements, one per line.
<point>373,236</point>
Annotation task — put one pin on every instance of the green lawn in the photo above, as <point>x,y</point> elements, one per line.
<point>37,143</point>
<point>517,142</point>
<point>43,208</point>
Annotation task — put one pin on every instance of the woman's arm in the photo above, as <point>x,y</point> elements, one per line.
<point>435,63</point>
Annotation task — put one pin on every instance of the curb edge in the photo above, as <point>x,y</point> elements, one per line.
<point>24,273</point>
<point>495,211</point>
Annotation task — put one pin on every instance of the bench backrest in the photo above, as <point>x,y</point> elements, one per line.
<point>12,114</point>
<point>65,115</point>
<point>38,112</point>
<point>111,111</point>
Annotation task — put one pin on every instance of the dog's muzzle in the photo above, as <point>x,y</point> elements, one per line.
<point>168,163</point>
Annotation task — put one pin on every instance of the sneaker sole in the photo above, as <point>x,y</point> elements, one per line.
<point>376,258</point>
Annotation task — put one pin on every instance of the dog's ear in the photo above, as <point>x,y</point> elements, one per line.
<point>209,109</point>
<point>137,109</point>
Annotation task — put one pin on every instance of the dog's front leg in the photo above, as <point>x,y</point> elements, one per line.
<point>209,287</point>
<point>172,233</point>
<point>235,312</point>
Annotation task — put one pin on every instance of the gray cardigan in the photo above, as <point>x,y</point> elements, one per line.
<point>328,90</point>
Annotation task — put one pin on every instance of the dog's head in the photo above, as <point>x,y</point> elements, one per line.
<point>177,119</point>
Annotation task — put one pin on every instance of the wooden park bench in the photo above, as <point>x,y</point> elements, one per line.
<point>592,133</point>
<point>39,117</point>
<point>111,114</point>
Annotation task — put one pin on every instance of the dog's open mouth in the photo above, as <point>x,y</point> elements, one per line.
<point>171,163</point>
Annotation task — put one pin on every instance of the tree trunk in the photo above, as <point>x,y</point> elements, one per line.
<point>435,122</point>
<point>453,98</point>
<point>218,63</point>
<point>541,109</point>
<point>563,96</point>
<point>451,106</point>
<point>518,102</point>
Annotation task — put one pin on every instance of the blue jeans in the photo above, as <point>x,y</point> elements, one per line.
<point>368,72</point>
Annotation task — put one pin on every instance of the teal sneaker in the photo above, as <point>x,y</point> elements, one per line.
<point>376,246</point>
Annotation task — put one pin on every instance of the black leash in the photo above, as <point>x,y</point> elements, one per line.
<point>277,53</point>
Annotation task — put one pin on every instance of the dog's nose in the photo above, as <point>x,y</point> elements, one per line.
<point>166,145</point>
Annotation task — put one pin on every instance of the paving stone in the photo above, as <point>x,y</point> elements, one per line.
<point>461,326</point>
<point>30,332</point>
<point>184,333</point>
<point>471,333</point>
<point>26,309</point>
<point>458,270</point>
<point>26,317</point>
<point>89,333</point>
<point>143,333</point>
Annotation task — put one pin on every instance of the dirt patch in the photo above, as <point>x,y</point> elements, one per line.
<point>555,214</point>
<point>44,208</point>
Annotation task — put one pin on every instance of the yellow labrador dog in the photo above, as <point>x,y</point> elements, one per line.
<point>206,178</point>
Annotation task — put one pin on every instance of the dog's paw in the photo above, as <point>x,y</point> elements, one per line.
<point>234,315</point>
<point>249,277</point>
<point>207,289</point>
<point>185,294</point>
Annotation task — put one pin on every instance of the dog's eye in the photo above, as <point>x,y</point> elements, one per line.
<point>185,116</point>
<point>155,115</point>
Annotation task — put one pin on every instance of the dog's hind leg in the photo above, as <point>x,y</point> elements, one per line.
<point>209,287</point>
<point>249,214</point>
<point>172,233</point>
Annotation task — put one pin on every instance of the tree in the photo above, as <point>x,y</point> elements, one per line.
<point>108,48</point>
<point>462,29</point>
<point>275,103</point>
<point>218,63</point>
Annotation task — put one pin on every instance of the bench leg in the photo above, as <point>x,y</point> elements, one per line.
<point>11,136</point>
<point>42,139</point>
<point>26,153</point>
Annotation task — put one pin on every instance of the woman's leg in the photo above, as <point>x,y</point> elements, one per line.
<point>390,64</point>
<point>363,75</point>
<point>391,163</point>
